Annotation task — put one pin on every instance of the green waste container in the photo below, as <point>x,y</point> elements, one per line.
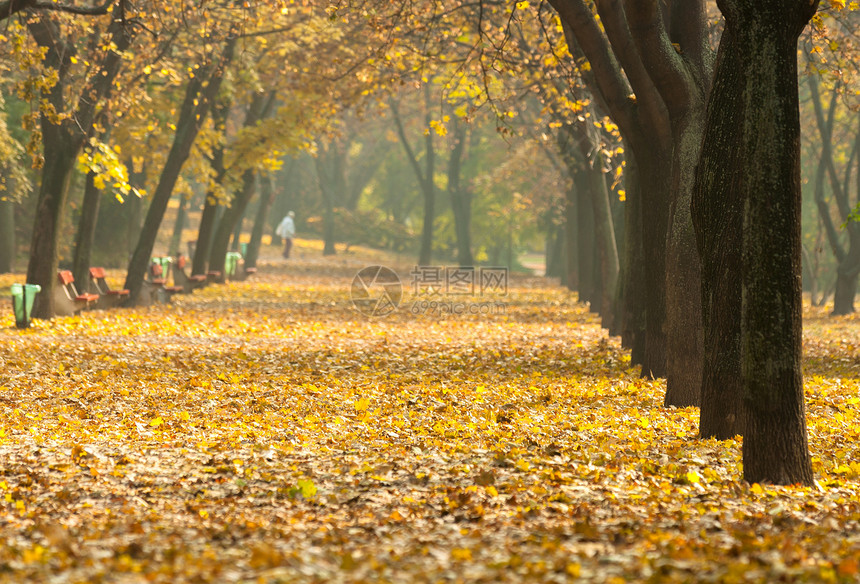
<point>23,296</point>
<point>165,265</point>
<point>244,248</point>
<point>231,262</point>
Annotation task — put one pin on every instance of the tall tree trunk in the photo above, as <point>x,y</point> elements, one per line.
<point>137,178</point>
<point>60,160</point>
<point>717,217</point>
<point>555,240</point>
<point>205,229</point>
<point>685,337</point>
<point>461,198</point>
<point>330,166</point>
<point>571,237</point>
<point>846,284</point>
<point>848,260</point>
<point>63,139</point>
<point>179,226</point>
<point>682,78</point>
<point>267,198</point>
<point>425,254</point>
<point>236,237</point>
<point>212,206</point>
<point>604,235</point>
<point>654,188</point>
<point>232,216</point>
<point>7,236</point>
<point>86,232</point>
<point>753,123</point>
<point>200,93</point>
<point>584,236</point>
<point>632,295</point>
<point>424,176</point>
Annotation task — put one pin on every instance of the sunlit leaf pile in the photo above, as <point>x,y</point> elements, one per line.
<point>265,431</point>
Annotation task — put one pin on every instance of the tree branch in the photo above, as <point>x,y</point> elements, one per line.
<point>665,66</point>
<point>582,31</point>
<point>10,7</point>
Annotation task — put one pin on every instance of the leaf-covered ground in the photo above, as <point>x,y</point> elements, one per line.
<point>264,431</point>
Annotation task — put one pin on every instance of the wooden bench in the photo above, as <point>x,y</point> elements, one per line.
<point>188,283</point>
<point>67,300</point>
<point>107,298</point>
<point>155,288</point>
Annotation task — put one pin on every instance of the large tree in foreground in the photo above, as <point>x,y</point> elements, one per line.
<point>746,209</point>
<point>67,117</point>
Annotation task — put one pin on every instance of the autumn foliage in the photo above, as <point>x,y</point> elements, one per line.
<point>265,431</point>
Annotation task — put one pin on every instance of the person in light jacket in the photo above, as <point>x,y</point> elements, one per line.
<point>286,230</point>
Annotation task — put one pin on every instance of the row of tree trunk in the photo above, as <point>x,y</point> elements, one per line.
<point>716,151</point>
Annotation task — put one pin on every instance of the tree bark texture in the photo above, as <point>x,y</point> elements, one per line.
<point>717,218</point>
<point>632,289</point>
<point>60,161</point>
<point>759,130</point>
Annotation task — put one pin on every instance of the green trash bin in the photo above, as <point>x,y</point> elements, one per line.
<point>244,248</point>
<point>164,262</point>
<point>23,296</point>
<point>231,262</point>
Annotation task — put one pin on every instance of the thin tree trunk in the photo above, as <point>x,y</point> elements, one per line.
<point>205,231</point>
<point>424,176</point>
<point>584,237</point>
<point>193,113</point>
<point>236,237</point>
<point>604,234</point>
<point>86,232</point>
<point>7,236</point>
<point>60,161</point>
<point>633,287</point>
<point>267,198</point>
<point>330,168</point>
<point>461,198</point>
<point>179,226</point>
<point>212,206</point>
<point>571,238</point>
<point>232,217</point>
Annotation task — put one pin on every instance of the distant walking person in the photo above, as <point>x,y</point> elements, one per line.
<point>286,230</point>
